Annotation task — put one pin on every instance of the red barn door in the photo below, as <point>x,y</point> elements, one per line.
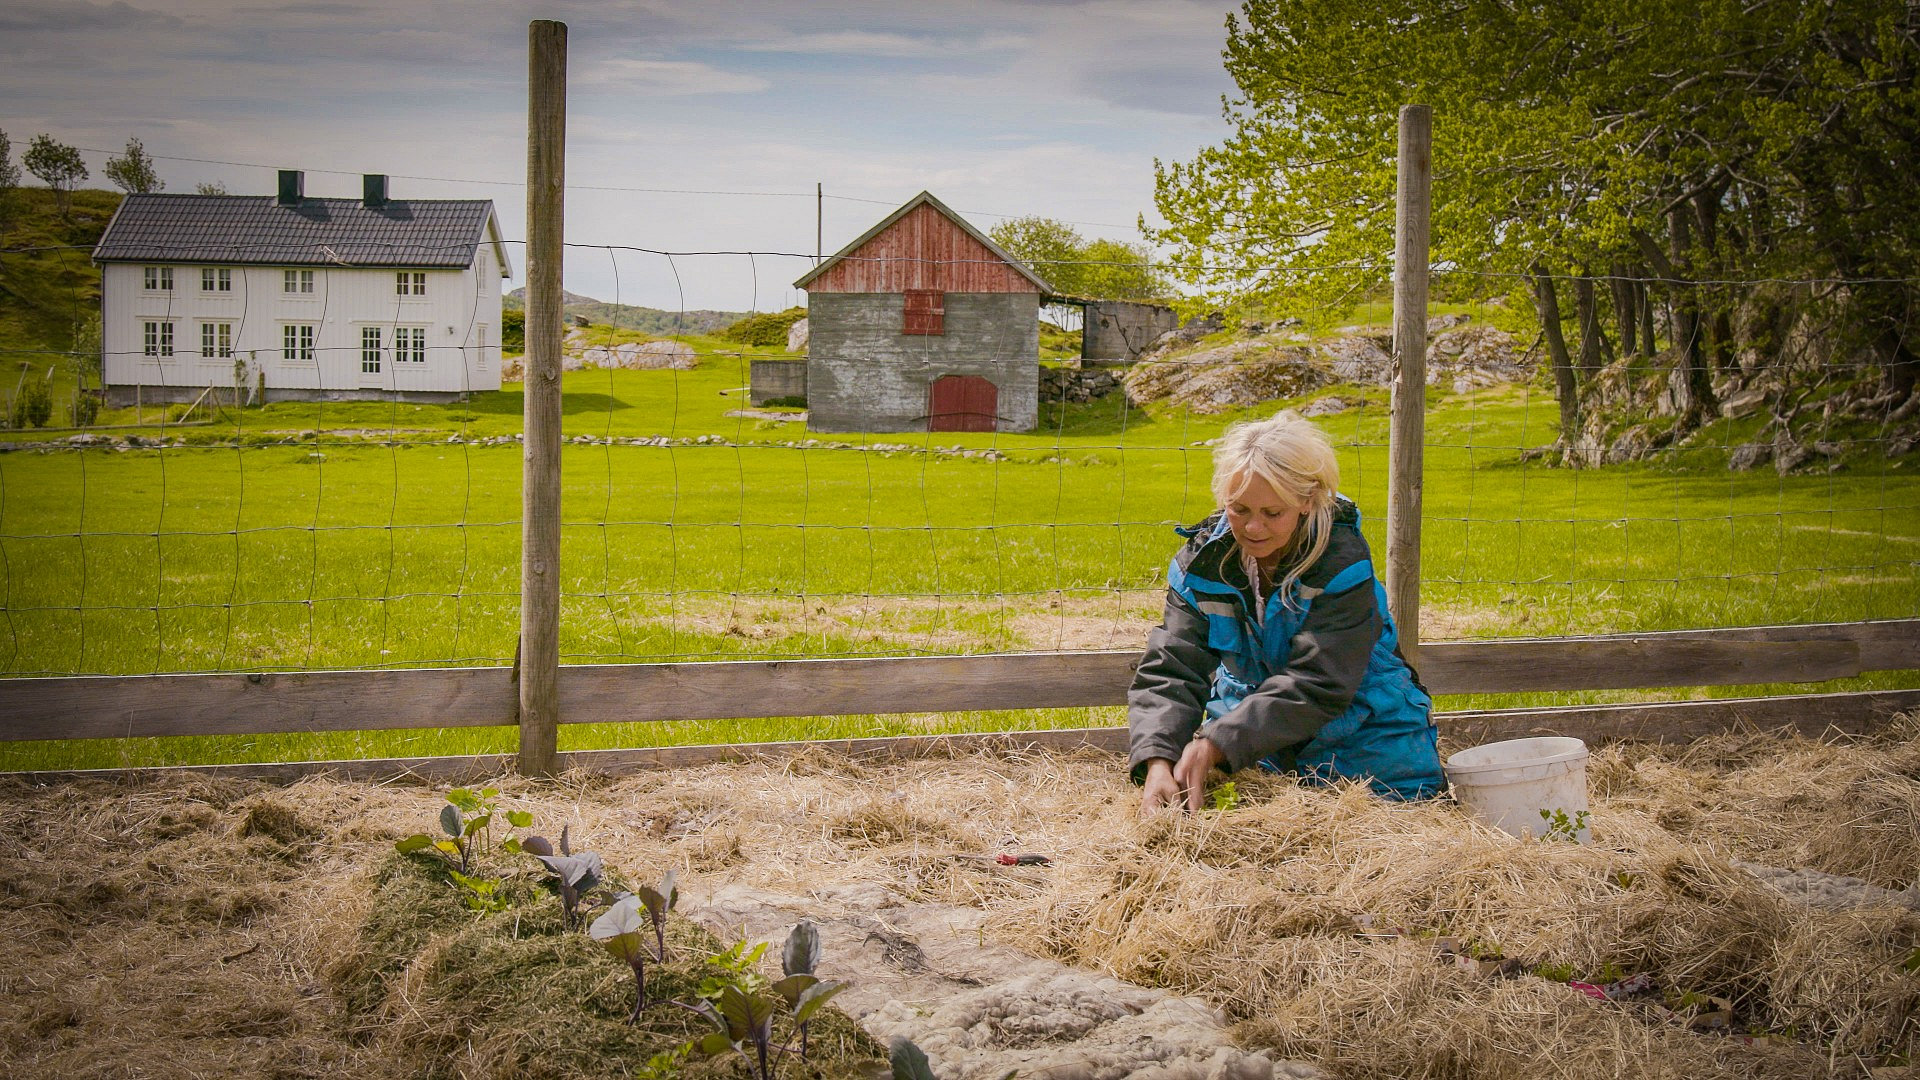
<point>962,403</point>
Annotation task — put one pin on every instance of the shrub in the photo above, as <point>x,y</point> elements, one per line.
<point>513,331</point>
<point>34,406</point>
<point>767,330</point>
<point>86,408</point>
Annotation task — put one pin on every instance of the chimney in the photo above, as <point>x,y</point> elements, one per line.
<point>293,187</point>
<point>374,190</point>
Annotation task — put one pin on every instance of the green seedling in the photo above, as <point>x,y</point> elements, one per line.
<point>467,821</point>
<point>479,893</point>
<point>1562,827</point>
<point>737,968</point>
<point>574,875</point>
<point>1224,797</point>
<point>622,932</point>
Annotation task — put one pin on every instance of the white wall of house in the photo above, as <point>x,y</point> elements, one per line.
<point>354,331</point>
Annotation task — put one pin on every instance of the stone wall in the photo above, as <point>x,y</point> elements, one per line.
<point>1122,329</point>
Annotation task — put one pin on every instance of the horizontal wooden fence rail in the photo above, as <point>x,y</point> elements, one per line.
<point>1808,714</point>
<point>99,707</point>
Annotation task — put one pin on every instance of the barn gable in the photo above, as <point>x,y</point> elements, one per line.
<point>922,245</point>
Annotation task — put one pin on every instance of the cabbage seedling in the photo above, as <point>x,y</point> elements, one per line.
<point>577,875</point>
<point>797,961</point>
<point>742,1019</point>
<point>658,903</point>
<point>622,932</point>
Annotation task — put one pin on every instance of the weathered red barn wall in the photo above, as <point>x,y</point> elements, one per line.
<point>923,250</point>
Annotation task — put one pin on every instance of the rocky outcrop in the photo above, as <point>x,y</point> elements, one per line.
<point>797,337</point>
<point>1461,357</point>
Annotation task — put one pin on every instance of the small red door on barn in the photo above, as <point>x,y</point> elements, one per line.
<point>962,403</point>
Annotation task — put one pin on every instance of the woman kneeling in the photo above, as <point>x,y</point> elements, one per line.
<point>1277,649</point>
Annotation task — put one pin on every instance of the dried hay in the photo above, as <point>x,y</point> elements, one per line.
<point>197,928</point>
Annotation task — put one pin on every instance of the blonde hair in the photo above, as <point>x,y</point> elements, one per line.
<point>1293,456</point>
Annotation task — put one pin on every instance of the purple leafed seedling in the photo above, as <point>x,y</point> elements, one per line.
<point>797,961</point>
<point>622,932</point>
<point>576,875</point>
<point>658,902</point>
<point>743,1021</point>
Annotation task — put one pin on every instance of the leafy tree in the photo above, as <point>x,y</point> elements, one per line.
<point>1104,269</point>
<point>1607,155</point>
<point>209,187</point>
<point>132,171</point>
<point>9,177</point>
<point>57,165</point>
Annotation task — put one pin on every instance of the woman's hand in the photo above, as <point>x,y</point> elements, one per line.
<point>1190,775</point>
<point>1159,790</point>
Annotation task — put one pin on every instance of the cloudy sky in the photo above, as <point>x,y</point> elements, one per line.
<point>676,108</point>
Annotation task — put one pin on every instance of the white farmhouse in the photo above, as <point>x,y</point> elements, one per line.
<point>316,299</point>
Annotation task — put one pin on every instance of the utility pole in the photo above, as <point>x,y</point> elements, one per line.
<point>819,220</point>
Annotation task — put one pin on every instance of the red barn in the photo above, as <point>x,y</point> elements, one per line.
<point>923,324</point>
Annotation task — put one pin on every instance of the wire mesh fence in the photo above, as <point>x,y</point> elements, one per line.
<point>256,534</point>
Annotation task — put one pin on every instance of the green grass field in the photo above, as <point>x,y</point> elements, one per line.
<point>276,540</point>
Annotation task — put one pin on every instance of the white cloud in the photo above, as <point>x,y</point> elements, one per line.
<point>673,78</point>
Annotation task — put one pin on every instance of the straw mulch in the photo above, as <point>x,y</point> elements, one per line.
<point>225,928</point>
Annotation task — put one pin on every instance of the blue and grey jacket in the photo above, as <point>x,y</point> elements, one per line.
<point>1317,687</point>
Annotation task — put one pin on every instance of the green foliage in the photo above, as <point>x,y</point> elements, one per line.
<point>1562,827</point>
<point>737,966</point>
<point>57,165</point>
<point>1718,142</point>
<point>467,821</point>
<point>133,171</point>
<point>86,408</point>
<point>1101,269</point>
<point>791,401</point>
<point>1224,796</point>
<point>513,331</point>
<point>34,405</point>
<point>209,187</point>
<point>767,330</point>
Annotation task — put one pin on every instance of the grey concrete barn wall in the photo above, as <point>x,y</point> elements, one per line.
<point>1120,329</point>
<point>863,374</point>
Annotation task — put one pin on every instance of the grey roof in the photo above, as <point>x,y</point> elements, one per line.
<point>925,198</point>
<point>314,232</point>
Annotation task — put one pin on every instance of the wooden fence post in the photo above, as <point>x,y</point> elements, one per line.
<point>1405,457</point>
<point>540,477</point>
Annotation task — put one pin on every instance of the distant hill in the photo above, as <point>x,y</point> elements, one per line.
<point>49,287</point>
<point>646,320</point>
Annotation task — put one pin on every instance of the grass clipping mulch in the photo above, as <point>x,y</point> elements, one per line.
<point>216,928</point>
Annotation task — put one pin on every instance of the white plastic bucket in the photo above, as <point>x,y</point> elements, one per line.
<point>1526,787</point>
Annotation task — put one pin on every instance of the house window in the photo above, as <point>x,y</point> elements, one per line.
<point>370,350</point>
<point>157,278</point>
<point>296,281</point>
<point>410,344</point>
<point>296,342</point>
<point>482,362</point>
<point>410,283</point>
<point>216,340</point>
<point>216,279</point>
<point>926,312</point>
<point>157,339</point>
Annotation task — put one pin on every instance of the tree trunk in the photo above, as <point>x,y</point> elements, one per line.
<point>1564,386</point>
<point>1693,390</point>
<point>1594,350</point>
<point>1648,346</point>
<point>1626,307</point>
